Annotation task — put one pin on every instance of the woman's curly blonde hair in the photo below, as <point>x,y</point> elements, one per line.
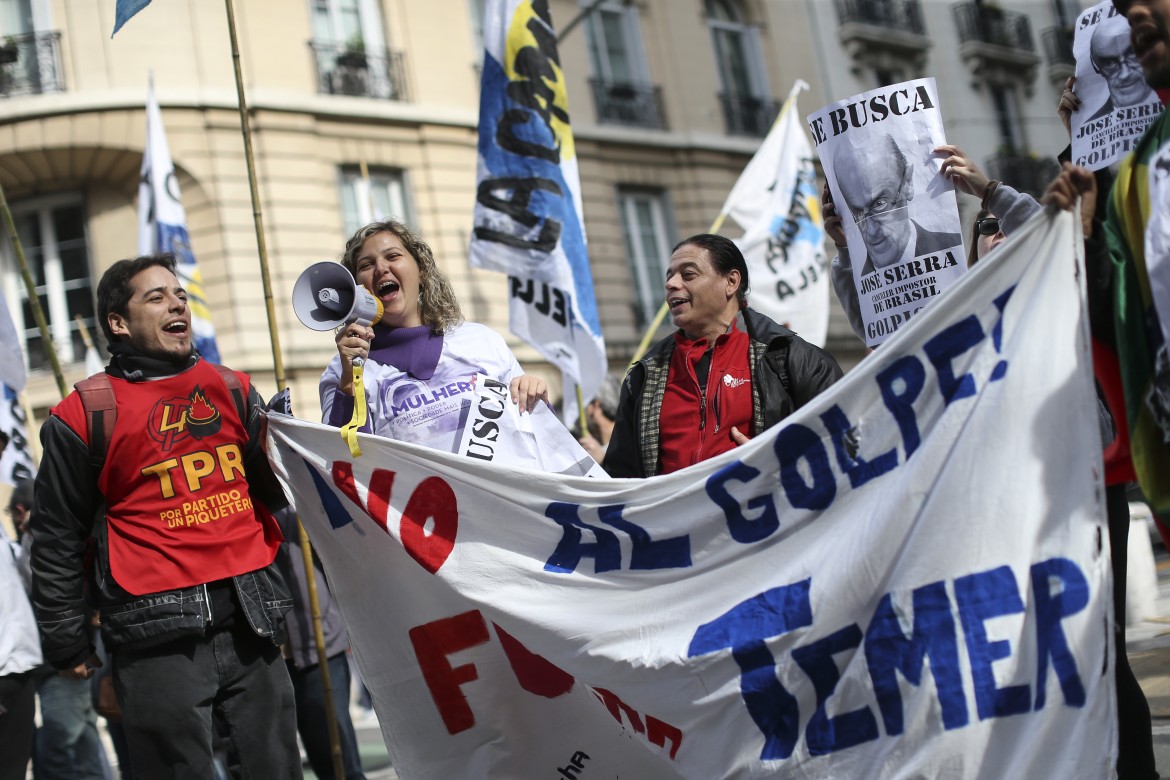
<point>437,307</point>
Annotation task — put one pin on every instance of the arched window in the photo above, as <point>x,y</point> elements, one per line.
<point>747,105</point>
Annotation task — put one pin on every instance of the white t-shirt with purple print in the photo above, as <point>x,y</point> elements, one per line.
<point>423,411</point>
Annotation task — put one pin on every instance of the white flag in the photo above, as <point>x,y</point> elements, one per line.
<point>775,201</point>
<point>907,578</point>
<point>162,224</point>
<point>11,358</point>
<point>16,462</point>
<point>528,218</point>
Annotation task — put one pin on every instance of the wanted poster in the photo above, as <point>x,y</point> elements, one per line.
<point>1116,102</point>
<point>901,218</point>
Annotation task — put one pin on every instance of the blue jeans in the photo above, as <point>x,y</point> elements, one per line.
<point>310,695</point>
<point>67,743</point>
<point>232,682</point>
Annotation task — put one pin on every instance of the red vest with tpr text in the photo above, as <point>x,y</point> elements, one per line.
<point>178,507</point>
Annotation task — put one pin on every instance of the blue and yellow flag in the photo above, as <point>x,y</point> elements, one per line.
<point>528,218</point>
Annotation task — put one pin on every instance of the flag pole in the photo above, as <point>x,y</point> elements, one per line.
<point>644,344</point>
<point>278,369</point>
<point>33,300</point>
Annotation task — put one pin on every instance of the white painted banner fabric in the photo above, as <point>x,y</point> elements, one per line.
<point>901,219</point>
<point>528,218</point>
<point>1116,102</point>
<point>908,578</point>
<point>16,461</point>
<point>776,202</point>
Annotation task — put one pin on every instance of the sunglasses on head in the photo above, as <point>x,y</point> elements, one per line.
<point>988,226</point>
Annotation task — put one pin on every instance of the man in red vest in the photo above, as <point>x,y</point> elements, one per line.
<point>153,495</point>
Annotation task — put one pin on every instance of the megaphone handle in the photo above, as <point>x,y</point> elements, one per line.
<point>349,431</point>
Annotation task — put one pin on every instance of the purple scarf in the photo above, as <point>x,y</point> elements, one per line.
<point>413,350</point>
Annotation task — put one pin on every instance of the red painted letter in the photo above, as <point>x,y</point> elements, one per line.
<point>435,641</point>
<point>433,498</point>
<point>534,673</point>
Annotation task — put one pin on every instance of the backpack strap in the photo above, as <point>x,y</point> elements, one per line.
<point>101,413</point>
<point>101,409</point>
<point>236,388</point>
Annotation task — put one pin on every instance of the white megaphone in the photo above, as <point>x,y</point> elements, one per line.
<point>326,296</point>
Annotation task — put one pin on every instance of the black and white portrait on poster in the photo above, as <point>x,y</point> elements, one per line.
<point>1116,102</point>
<point>901,218</point>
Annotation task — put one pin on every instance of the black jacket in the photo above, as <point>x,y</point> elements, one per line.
<point>787,372</point>
<point>70,538</point>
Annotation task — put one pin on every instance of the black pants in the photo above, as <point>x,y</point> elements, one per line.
<point>170,695</point>
<point>1135,741</point>
<point>311,723</point>
<point>17,707</point>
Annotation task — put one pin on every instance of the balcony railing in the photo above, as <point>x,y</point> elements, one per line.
<point>902,15</point>
<point>1058,46</point>
<point>30,64</point>
<point>629,104</point>
<point>748,115</point>
<point>1027,173</point>
<point>988,24</point>
<point>369,72</point>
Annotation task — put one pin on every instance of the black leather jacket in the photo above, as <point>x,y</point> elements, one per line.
<point>69,539</point>
<point>787,372</point>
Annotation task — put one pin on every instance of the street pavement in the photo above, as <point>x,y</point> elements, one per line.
<point>1148,646</point>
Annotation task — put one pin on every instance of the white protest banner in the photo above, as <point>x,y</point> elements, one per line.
<point>776,202</point>
<point>162,224</point>
<point>905,578</point>
<point>528,218</point>
<point>11,357</point>
<point>1116,102</point>
<point>905,238</point>
<point>16,462</point>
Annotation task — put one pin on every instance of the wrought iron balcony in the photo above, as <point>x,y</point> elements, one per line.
<point>989,24</point>
<point>1026,172</point>
<point>1058,46</point>
<point>365,72</point>
<point>629,104</point>
<point>902,15</point>
<point>745,115</point>
<point>30,64</point>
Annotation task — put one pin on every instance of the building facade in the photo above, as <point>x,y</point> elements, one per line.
<point>669,99</point>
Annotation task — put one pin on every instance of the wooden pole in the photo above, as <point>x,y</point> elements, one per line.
<point>278,368</point>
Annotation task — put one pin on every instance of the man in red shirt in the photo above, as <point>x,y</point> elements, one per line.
<point>726,375</point>
<point>152,492</point>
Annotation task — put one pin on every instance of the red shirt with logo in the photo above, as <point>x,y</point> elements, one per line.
<point>178,509</point>
<point>695,423</point>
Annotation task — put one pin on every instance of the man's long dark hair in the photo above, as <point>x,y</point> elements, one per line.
<point>114,290</point>
<point>725,258</point>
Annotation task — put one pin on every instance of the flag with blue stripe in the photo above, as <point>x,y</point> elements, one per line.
<point>124,10</point>
<point>162,225</point>
<point>528,217</point>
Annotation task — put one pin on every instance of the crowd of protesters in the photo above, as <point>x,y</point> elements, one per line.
<point>119,596</point>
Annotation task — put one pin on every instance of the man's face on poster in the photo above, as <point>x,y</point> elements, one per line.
<point>877,189</point>
<point>1113,57</point>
